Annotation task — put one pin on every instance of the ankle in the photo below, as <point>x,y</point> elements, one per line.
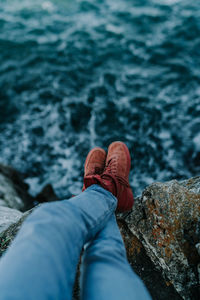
<point>105,181</point>
<point>109,184</point>
<point>90,180</point>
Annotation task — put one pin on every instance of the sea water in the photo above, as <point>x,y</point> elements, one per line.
<point>76,74</point>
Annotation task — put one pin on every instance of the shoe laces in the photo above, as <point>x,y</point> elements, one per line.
<point>111,166</point>
<point>95,170</point>
<point>111,170</point>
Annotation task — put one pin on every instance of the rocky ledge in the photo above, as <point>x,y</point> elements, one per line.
<point>161,233</point>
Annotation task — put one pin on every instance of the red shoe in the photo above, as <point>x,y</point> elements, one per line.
<point>115,176</point>
<point>95,162</point>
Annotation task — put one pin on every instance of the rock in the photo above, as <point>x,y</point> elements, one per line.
<point>13,190</point>
<point>7,236</point>
<point>46,195</point>
<point>166,221</point>
<point>8,216</point>
<point>159,288</point>
<point>161,232</point>
<point>8,194</point>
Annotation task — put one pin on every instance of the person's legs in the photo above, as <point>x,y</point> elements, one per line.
<point>106,273</point>
<point>41,263</point>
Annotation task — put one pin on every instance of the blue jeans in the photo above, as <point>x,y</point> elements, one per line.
<point>41,262</point>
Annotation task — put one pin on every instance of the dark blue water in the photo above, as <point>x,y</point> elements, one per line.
<point>75,74</point>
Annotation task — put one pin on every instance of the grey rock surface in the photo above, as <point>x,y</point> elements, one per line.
<point>13,190</point>
<point>8,216</point>
<point>7,236</point>
<point>166,220</point>
<point>8,194</point>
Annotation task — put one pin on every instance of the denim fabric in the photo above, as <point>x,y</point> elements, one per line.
<point>41,262</point>
<point>106,273</point>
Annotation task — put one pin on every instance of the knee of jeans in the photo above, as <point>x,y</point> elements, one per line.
<point>105,248</point>
<point>45,208</point>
